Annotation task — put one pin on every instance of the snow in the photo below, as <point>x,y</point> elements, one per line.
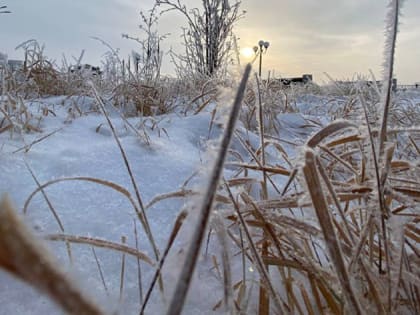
<point>83,145</point>
<point>90,209</point>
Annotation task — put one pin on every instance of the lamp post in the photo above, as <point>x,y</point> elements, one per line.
<point>262,47</point>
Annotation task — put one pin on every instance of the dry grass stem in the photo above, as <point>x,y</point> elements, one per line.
<point>85,240</point>
<point>98,181</point>
<point>183,283</point>
<point>145,222</point>
<point>177,226</point>
<point>24,256</point>
<point>332,243</point>
<point>258,260</point>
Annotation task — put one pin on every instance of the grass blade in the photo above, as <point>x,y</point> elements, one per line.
<point>184,280</point>
<point>24,256</point>
<point>332,243</point>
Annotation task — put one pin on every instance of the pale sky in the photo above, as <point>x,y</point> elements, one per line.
<point>340,37</point>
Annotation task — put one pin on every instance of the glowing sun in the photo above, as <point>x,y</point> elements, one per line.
<point>247,52</point>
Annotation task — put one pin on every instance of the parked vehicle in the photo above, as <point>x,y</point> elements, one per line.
<point>86,70</point>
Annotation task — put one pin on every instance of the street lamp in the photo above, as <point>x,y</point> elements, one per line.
<point>262,47</point>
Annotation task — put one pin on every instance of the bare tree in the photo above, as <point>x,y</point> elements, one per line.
<point>207,38</point>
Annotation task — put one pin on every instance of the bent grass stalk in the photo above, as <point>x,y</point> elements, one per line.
<point>52,209</point>
<point>331,240</point>
<point>98,181</point>
<point>97,242</point>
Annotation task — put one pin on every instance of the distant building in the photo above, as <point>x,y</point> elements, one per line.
<point>3,59</point>
<point>9,65</point>
<point>304,79</point>
<point>86,70</point>
<point>15,65</point>
<point>276,84</point>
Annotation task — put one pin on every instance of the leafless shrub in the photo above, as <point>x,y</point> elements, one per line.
<point>142,91</point>
<point>148,62</point>
<point>207,40</point>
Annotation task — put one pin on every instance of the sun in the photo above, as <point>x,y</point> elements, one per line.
<point>247,52</point>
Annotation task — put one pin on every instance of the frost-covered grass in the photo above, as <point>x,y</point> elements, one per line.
<point>161,196</point>
<point>271,198</point>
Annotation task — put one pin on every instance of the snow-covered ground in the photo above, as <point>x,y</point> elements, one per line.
<point>83,146</point>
